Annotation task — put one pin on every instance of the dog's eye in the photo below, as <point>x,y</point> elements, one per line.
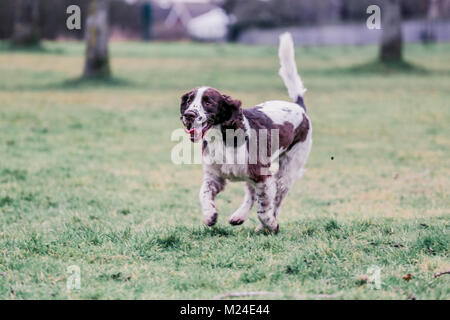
<point>206,102</point>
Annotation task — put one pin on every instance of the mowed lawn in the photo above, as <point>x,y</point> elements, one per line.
<point>86,177</point>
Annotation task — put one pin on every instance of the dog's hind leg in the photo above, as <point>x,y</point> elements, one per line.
<point>291,170</point>
<point>285,179</point>
<point>284,184</point>
<point>211,186</point>
<point>265,194</point>
<point>241,214</point>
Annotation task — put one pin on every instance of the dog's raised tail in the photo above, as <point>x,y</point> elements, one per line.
<point>288,71</point>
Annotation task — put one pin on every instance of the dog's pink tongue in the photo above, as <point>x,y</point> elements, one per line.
<point>194,132</point>
<point>198,132</point>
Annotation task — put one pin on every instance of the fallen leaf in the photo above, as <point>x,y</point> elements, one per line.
<point>407,277</point>
<point>362,279</point>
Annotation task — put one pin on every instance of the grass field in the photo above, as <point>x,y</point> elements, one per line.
<point>86,177</point>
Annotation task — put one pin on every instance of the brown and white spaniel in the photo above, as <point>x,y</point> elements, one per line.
<point>266,146</point>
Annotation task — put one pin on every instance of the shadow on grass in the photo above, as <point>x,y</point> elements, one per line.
<point>389,67</point>
<point>78,83</point>
<point>39,48</point>
<point>216,231</point>
<point>384,68</point>
<point>226,231</point>
<point>93,83</point>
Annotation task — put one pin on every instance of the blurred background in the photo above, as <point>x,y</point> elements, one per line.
<point>313,23</point>
<point>318,22</point>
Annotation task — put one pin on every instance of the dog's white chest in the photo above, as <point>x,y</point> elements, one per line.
<point>228,162</point>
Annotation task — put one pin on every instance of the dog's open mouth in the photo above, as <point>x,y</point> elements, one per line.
<point>197,132</point>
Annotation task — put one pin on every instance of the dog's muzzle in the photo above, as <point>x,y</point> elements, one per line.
<point>195,126</point>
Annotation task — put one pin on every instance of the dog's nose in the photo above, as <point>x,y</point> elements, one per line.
<point>190,115</point>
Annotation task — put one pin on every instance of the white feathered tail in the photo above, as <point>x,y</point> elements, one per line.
<point>288,71</point>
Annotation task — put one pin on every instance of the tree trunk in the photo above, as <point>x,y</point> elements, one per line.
<point>26,24</point>
<point>433,15</point>
<point>97,58</point>
<point>391,41</point>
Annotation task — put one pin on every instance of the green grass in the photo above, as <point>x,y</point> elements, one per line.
<point>86,177</point>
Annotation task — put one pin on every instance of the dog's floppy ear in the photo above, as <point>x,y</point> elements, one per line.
<point>230,102</point>
<point>184,100</point>
<point>231,112</point>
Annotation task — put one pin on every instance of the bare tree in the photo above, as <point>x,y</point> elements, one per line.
<point>392,40</point>
<point>26,24</point>
<point>432,16</point>
<point>97,57</point>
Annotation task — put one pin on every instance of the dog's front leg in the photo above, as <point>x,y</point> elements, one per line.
<point>211,186</point>
<point>265,193</point>
<point>241,214</point>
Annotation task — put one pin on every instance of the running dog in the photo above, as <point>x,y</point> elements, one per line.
<point>205,110</point>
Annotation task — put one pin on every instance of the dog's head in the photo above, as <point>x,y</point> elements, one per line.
<point>205,107</point>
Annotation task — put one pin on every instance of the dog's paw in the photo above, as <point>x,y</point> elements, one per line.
<point>236,221</point>
<point>238,217</point>
<point>211,220</point>
<point>262,228</point>
<point>276,229</point>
